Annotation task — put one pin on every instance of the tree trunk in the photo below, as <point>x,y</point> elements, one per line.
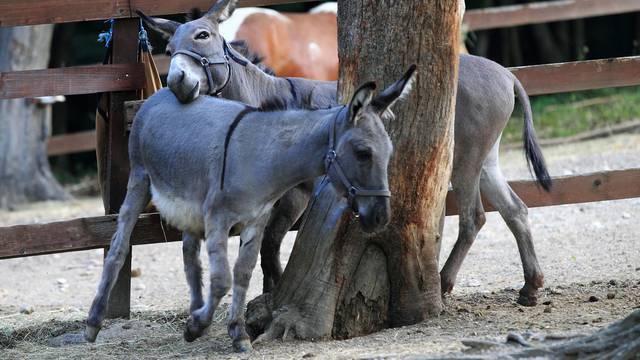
<point>24,125</point>
<point>340,282</point>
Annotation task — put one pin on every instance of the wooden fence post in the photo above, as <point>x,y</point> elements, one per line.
<point>125,47</point>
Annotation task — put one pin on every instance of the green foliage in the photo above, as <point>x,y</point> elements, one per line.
<point>561,115</point>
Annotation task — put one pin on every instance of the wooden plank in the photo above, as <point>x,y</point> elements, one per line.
<point>71,80</point>
<point>33,12</point>
<point>71,143</point>
<point>162,63</point>
<point>125,48</point>
<point>555,78</point>
<point>96,232</point>
<point>78,234</point>
<point>600,186</point>
<point>541,12</point>
<point>579,75</point>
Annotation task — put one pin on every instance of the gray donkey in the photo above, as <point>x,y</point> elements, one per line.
<point>216,167</point>
<point>202,63</point>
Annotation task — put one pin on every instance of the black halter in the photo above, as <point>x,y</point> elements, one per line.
<point>337,175</point>
<point>206,64</point>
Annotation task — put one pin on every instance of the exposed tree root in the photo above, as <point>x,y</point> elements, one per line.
<point>619,341</point>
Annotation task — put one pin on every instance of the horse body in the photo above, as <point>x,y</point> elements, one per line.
<point>292,44</point>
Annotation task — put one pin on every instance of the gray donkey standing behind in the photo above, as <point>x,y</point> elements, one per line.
<point>209,183</point>
<point>484,105</point>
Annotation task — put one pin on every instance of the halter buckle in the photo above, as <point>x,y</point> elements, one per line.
<point>204,61</point>
<point>331,156</point>
<point>353,191</point>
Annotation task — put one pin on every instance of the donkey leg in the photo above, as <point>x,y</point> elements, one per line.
<point>220,281</point>
<point>192,269</point>
<point>242,271</point>
<point>471,220</point>
<point>284,215</point>
<point>515,213</point>
<point>137,198</point>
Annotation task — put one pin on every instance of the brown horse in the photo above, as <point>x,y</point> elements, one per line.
<point>292,44</point>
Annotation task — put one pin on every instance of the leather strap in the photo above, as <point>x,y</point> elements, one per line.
<point>206,64</point>
<point>336,173</point>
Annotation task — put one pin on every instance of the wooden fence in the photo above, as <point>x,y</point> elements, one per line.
<point>124,77</point>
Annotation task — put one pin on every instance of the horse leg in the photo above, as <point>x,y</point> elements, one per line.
<point>284,215</point>
<point>220,279</point>
<point>136,199</point>
<point>251,238</point>
<point>192,269</point>
<point>515,213</point>
<point>471,219</point>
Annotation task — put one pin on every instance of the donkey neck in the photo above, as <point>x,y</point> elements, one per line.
<point>302,141</point>
<point>252,86</point>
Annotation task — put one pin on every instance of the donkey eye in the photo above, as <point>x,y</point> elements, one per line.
<point>202,35</point>
<point>363,155</point>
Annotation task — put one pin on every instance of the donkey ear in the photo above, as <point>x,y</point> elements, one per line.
<point>164,27</point>
<point>399,90</point>
<point>360,99</point>
<point>221,10</point>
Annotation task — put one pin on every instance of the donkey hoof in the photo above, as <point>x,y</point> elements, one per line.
<point>90,333</point>
<point>242,346</point>
<point>446,286</point>
<point>192,330</point>
<point>527,300</point>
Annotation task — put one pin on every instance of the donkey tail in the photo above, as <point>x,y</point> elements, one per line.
<point>535,159</point>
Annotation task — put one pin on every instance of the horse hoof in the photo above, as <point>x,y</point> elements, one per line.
<point>242,346</point>
<point>90,333</point>
<point>527,300</point>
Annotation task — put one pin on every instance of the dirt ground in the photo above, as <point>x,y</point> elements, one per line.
<point>586,251</point>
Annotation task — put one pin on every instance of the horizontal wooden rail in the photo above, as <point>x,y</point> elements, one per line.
<point>72,143</point>
<point>555,78</point>
<point>71,80</point>
<point>541,12</point>
<point>78,234</point>
<point>96,232</point>
<point>537,80</point>
<point>600,186</point>
<point>34,12</point>
<point>579,75</point>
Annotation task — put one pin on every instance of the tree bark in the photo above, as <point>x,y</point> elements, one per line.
<point>340,282</point>
<point>25,174</point>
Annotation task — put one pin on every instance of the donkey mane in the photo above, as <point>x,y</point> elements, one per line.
<point>277,103</point>
<point>242,47</point>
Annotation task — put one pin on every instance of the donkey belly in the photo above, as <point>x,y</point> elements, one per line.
<point>182,214</point>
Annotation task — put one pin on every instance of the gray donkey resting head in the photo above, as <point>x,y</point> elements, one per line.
<point>215,166</point>
<point>199,55</point>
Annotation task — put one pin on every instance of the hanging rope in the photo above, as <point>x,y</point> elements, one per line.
<point>144,39</point>
<point>106,36</point>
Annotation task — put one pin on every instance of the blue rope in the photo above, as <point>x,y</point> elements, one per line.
<point>143,38</point>
<point>106,36</point>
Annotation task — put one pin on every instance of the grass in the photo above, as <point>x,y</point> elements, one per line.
<point>567,114</point>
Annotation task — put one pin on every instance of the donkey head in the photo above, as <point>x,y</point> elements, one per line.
<point>363,148</point>
<point>190,46</point>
